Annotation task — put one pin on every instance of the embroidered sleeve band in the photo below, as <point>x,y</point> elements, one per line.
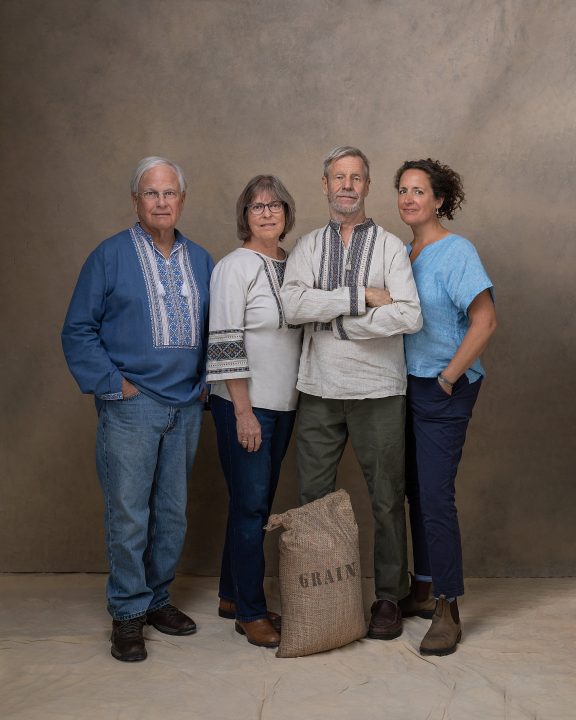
<point>226,355</point>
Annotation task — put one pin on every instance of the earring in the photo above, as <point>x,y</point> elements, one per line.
<point>437,212</point>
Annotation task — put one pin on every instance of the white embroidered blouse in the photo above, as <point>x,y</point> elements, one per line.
<point>249,336</point>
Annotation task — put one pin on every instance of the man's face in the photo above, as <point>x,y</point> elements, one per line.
<point>346,185</point>
<point>158,214</point>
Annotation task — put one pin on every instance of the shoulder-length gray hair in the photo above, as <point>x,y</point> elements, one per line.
<point>258,184</point>
<point>148,163</point>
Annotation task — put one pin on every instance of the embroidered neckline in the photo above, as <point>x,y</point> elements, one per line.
<point>340,267</point>
<point>172,291</point>
<point>263,255</point>
<point>145,236</point>
<point>365,224</point>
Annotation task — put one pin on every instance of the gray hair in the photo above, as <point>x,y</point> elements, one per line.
<point>264,183</point>
<point>345,151</point>
<point>148,163</point>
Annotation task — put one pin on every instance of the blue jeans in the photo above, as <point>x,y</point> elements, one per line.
<point>436,425</point>
<point>252,479</point>
<point>144,456</point>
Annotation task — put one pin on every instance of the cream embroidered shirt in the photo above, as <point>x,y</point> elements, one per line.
<point>351,351</point>
<point>249,335</point>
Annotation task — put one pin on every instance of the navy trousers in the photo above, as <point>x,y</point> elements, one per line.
<point>436,425</point>
<point>252,478</point>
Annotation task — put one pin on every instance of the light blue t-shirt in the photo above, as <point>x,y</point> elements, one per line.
<point>449,275</point>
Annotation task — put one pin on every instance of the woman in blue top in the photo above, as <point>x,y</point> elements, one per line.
<point>444,377</point>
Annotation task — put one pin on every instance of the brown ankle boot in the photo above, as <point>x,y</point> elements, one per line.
<point>227,609</point>
<point>445,632</point>
<point>259,632</point>
<point>420,602</point>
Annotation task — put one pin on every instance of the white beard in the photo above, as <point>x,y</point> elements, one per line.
<point>344,209</point>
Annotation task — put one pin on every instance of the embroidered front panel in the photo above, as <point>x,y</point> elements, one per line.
<point>331,262</point>
<point>358,261</point>
<point>226,352</point>
<point>275,273</point>
<point>173,296</point>
<point>339,268</point>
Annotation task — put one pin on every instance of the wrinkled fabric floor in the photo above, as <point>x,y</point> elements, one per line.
<point>517,661</point>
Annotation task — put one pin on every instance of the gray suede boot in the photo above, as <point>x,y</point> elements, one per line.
<point>445,632</point>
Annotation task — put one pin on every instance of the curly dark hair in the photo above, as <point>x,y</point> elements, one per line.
<point>446,183</point>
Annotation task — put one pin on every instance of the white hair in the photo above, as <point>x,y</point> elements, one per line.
<point>148,163</point>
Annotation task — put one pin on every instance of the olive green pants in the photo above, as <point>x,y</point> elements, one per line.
<point>376,431</point>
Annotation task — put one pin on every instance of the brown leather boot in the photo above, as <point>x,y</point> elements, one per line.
<point>446,630</point>
<point>259,632</point>
<point>386,621</point>
<point>420,602</point>
<point>227,609</point>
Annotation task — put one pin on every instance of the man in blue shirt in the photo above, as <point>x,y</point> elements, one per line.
<point>135,338</point>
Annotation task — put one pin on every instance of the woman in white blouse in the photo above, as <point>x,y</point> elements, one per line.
<point>253,357</point>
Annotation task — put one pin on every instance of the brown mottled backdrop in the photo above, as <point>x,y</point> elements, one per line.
<point>229,89</point>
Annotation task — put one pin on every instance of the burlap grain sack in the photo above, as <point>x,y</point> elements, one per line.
<point>320,583</point>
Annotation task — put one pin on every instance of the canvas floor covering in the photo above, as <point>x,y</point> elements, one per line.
<point>517,661</point>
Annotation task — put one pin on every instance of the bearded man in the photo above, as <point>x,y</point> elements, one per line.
<point>350,284</point>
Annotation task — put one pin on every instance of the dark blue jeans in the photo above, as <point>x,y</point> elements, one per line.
<point>436,425</point>
<point>252,479</point>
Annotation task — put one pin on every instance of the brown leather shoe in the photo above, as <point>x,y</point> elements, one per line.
<point>386,621</point>
<point>420,602</point>
<point>168,619</point>
<point>259,632</point>
<point>445,632</point>
<point>227,609</point>
<point>128,640</point>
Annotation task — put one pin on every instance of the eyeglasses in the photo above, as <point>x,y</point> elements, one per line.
<point>150,195</point>
<point>275,206</point>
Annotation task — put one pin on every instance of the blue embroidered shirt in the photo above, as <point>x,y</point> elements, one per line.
<point>136,315</point>
<point>449,275</point>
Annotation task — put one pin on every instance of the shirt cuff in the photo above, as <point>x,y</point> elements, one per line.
<point>111,396</point>
<point>224,374</point>
<point>357,301</point>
